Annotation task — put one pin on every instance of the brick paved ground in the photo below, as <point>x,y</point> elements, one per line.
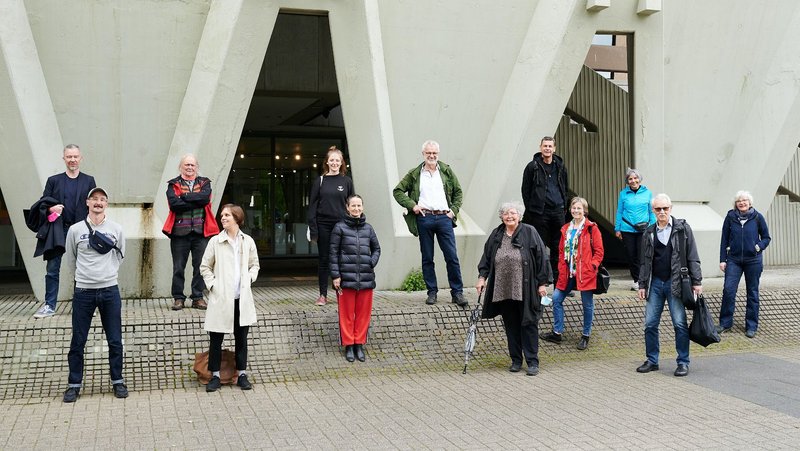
<point>294,340</point>
<point>595,404</point>
<point>409,394</point>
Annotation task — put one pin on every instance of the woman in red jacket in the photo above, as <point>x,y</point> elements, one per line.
<point>580,254</point>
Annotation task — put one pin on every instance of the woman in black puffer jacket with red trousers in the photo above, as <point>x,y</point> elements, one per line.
<point>354,253</point>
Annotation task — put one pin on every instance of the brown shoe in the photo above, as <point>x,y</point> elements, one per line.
<point>178,304</point>
<point>199,304</point>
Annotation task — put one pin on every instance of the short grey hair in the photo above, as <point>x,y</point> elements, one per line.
<point>630,172</point>
<point>430,143</point>
<point>579,200</point>
<point>661,196</point>
<point>71,146</point>
<point>511,205</point>
<point>742,194</point>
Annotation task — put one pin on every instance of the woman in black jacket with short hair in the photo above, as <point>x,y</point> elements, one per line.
<point>353,255</point>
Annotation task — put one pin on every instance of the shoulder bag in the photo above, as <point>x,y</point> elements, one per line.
<point>100,241</point>
<point>639,227</point>
<point>603,279</point>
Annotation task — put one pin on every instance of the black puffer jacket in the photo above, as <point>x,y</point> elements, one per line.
<point>354,253</point>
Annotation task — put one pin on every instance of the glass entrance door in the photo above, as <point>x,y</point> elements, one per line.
<point>271,179</point>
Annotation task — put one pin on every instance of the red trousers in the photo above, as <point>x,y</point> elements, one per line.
<point>355,311</point>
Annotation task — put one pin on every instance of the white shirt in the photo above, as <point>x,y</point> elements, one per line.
<point>663,234</point>
<point>431,190</point>
<point>237,263</point>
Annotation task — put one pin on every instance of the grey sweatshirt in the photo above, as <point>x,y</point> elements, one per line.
<point>92,269</point>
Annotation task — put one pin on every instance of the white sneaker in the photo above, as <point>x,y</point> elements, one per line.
<point>635,286</point>
<point>45,312</point>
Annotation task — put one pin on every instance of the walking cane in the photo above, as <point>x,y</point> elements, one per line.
<point>472,332</point>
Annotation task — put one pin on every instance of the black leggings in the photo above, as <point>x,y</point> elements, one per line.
<point>633,246</point>
<point>239,335</point>
<point>324,230</point>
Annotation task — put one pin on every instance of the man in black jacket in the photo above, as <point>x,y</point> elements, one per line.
<point>544,193</point>
<point>660,281</point>
<point>70,189</point>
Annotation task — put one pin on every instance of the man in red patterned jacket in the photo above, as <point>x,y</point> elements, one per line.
<point>189,225</point>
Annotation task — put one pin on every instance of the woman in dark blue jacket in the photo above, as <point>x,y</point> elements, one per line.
<point>354,253</point>
<point>744,237</point>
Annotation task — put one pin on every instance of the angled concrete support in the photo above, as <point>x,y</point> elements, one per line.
<point>31,143</point>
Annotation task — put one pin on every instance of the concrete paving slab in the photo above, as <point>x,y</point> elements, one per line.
<point>760,379</point>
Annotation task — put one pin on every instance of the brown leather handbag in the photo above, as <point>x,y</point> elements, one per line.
<point>227,368</point>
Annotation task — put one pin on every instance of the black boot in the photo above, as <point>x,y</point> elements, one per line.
<point>348,353</point>
<point>360,353</point>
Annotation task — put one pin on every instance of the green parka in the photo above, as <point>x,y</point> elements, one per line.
<point>406,193</point>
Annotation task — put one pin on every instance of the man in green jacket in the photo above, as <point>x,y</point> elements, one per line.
<point>432,196</point>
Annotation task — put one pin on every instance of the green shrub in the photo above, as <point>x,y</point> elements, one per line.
<point>414,281</point>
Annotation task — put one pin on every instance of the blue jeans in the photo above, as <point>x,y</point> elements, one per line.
<point>180,247</point>
<point>442,227</point>
<point>587,299</point>
<point>733,274</point>
<point>51,281</point>
<point>660,291</point>
<point>84,302</point>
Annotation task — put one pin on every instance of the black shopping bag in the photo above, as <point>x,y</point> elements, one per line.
<point>702,330</point>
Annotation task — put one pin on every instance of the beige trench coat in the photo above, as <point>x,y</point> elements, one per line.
<point>217,269</point>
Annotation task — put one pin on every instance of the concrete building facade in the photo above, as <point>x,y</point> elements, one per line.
<point>714,91</point>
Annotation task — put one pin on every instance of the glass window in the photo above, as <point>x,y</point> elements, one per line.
<point>271,179</point>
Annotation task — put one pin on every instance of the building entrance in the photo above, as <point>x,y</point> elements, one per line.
<point>294,117</point>
<point>271,179</point>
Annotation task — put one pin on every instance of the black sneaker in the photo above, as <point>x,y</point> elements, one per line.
<point>120,390</point>
<point>515,367</point>
<point>551,336</point>
<point>72,394</point>
<point>431,299</point>
<point>533,370</point>
<point>243,383</point>
<point>459,300</point>
<point>584,343</point>
<point>214,384</point>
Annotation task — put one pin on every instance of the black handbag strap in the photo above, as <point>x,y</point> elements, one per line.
<point>683,251</point>
<point>629,223</point>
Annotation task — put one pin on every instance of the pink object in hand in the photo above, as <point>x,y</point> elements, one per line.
<point>53,216</point>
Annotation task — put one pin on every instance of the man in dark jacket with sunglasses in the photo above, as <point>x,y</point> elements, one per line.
<point>660,281</point>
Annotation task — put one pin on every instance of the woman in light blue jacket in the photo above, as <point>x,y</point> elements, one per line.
<point>633,216</point>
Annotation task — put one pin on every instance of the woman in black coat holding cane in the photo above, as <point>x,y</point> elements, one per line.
<point>514,271</point>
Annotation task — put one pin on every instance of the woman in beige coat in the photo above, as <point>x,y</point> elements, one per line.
<point>230,265</point>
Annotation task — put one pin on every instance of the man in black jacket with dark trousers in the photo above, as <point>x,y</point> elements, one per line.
<point>544,193</point>
<point>70,188</point>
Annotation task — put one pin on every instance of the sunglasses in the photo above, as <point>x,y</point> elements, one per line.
<point>661,208</point>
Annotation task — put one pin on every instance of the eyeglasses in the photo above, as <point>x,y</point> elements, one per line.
<point>661,208</point>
